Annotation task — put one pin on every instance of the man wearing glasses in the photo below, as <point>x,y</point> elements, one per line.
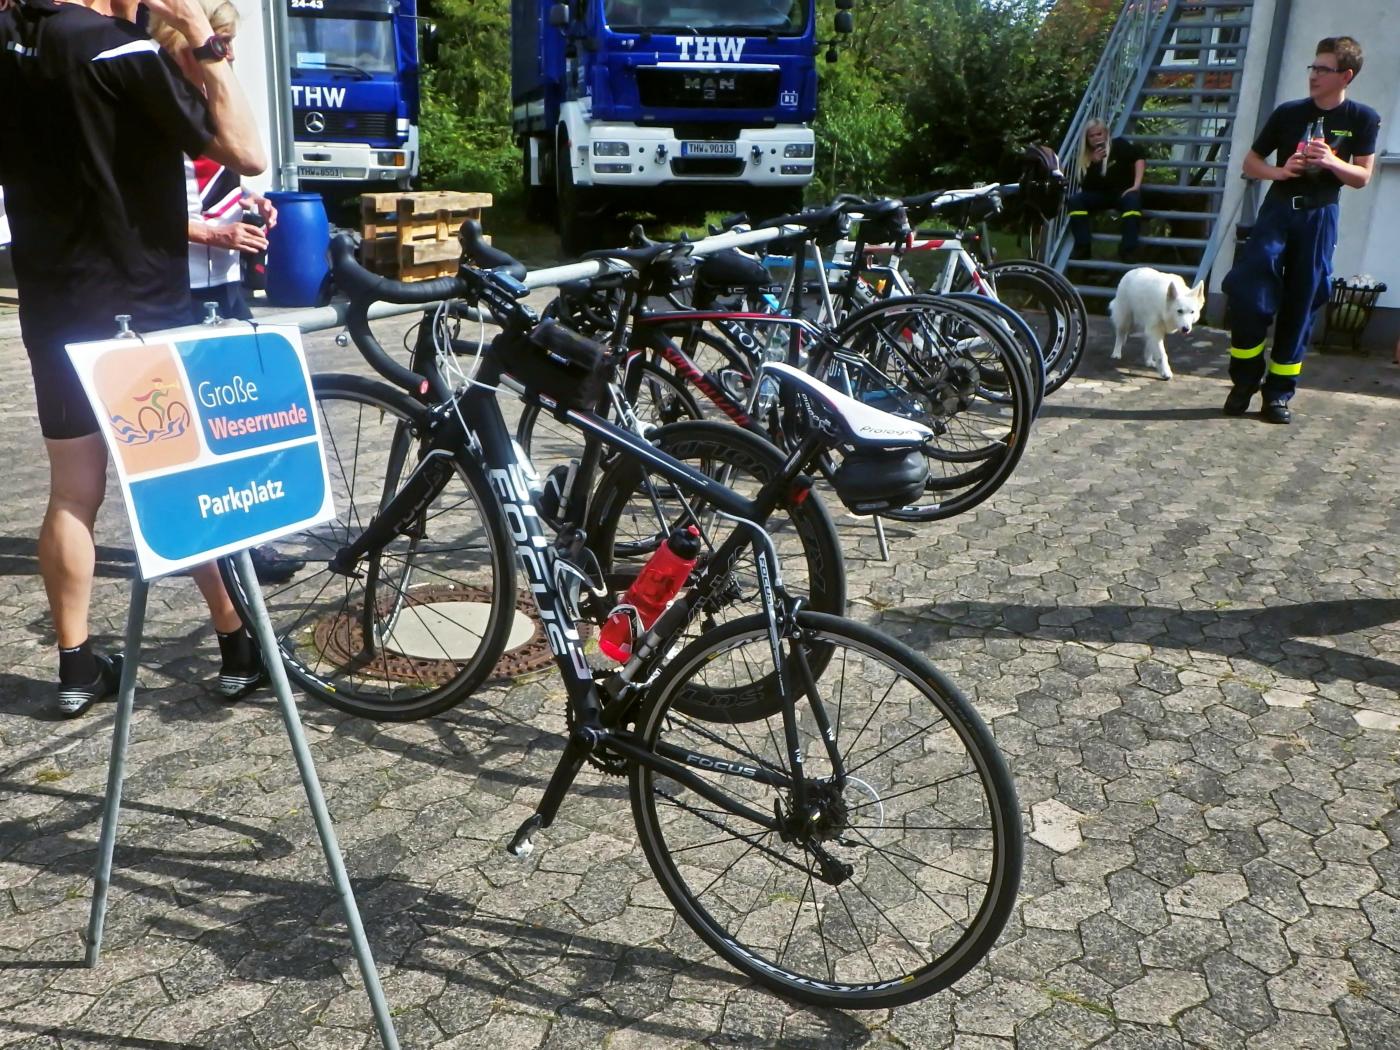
<point>1282,274</point>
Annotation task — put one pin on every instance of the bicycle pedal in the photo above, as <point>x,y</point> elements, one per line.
<point>520,845</point>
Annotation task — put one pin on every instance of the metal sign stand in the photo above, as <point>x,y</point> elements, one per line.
<point>267,642</point>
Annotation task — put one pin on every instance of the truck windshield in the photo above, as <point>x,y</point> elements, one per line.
<point>692,16</point>
<point>343,45</point>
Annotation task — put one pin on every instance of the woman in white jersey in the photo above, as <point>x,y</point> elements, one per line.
<point>215,196</point>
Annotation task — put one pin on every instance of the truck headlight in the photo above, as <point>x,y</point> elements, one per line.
<point>799,149</point>
<point>612,169</point>
<point>611,149</point>
<point>390,159</point>
<point>797,169</point>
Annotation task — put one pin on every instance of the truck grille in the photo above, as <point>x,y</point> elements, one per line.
<point>680,88</point>
<point>727,167</point>
<point>339,123</point>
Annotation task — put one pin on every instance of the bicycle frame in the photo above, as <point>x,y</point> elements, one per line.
<point>473,419</point>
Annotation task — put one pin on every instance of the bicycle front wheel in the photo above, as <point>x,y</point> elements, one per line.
<point>902,869</point>
<point>424,620</point>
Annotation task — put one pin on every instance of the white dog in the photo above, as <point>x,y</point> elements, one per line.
<point>1154,303</point>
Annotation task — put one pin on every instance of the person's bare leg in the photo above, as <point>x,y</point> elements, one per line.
<point>67,556</point>
<point>221,608</point>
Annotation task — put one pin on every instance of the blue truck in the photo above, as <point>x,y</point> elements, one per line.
<point>662,106</point>
<point>354,84</point>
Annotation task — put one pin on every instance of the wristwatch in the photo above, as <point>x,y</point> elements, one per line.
<point>215,49</point>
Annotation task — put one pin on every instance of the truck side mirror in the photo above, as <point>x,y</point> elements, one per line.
<point>432,44</point>
<point>559,15</point>
<point>845,23</point>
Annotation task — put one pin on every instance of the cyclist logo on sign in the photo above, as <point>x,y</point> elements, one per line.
<point>148,406</point>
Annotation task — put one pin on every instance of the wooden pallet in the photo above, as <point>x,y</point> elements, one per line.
<point>413,236</point>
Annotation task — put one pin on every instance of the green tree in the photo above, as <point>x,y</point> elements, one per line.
<point>465,125</point>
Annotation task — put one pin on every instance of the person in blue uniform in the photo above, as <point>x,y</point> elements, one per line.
<point>1282,275</point>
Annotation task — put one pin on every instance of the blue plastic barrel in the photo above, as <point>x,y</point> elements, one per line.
<point>297,267</point>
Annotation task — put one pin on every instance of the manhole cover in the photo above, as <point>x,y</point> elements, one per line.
<point>435,626</point>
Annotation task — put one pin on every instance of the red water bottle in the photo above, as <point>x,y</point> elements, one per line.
<point>661,579</point>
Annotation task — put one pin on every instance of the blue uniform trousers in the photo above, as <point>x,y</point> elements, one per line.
<point>1084,203</point>
<point>1281,276</point>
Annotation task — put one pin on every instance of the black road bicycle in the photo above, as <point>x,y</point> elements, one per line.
<point>821,805</point>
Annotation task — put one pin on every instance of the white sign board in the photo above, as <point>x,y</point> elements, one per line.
<point>215,438</point>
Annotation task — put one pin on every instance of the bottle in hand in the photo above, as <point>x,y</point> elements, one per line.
<point>660,580</point>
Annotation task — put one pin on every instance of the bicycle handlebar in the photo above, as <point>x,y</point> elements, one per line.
<point>364,288</point>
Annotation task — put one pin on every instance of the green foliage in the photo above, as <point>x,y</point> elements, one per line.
<point>927,93</point>
<point>934,93</point>
<point>465,123</point>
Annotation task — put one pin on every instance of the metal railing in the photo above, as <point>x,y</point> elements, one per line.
<point>1119,76</point>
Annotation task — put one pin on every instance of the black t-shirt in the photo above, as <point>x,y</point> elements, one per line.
<point>94,124</point>
<point>1351,129</point>
<point>1122,156</point>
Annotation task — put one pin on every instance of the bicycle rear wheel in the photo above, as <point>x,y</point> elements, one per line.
<point>952,368</point>
<point>633,510</point>
<point>425,620</point>
<point>925,822</point>
<point>1047,299</point>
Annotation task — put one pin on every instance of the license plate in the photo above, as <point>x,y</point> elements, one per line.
<point>306,172</point>
<point>709,149</point>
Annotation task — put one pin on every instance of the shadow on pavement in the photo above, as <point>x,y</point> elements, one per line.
<point>1273,635</point>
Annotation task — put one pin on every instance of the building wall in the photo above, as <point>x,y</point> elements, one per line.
<point>1370,224</point>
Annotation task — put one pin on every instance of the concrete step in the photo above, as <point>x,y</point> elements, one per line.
<point>1158,242</point>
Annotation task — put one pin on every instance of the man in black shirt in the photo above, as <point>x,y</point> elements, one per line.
<point>1282,274</point>
<point>93,129</point>
<point>1110,179</point>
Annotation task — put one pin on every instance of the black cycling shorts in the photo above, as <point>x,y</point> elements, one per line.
<point>63,407</point>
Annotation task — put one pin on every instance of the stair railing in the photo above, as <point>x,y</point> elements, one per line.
<point>1119,76</point>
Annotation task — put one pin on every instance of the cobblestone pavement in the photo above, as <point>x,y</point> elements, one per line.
<point>1184,629</point>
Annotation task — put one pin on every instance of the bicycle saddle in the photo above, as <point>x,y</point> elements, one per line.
<point>859,424</point>
<point>883,466</point>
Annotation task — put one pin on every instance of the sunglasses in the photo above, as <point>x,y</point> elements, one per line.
<point>1322,69</point>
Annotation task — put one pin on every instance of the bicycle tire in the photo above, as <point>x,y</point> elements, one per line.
<point>624,529</point>
<point>978,440</point>
<point>945,856</point>
<point>1064,363</point>
<point>1026,340</point>
<point>421,627</point>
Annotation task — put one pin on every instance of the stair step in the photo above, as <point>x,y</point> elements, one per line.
<point>1178,189</point>
<point>1114,266</point>
<point>1166,213</point>
<point>1213,68</point>
<point>1178,162</point>
<point>1172,44</point>
<point>1188,92</point>
<point>1189,4</point>
<point>1095,291</point>
<point>1182,114</point>
<point>1195,140</point>
<point>1159,242</point>
<point>1224,23</point>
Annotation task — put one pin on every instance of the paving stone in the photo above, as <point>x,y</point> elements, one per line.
<point>1206,896</point>
<point>1312,985</point>
<point>1158,996</point>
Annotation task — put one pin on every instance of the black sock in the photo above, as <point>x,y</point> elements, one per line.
<point>237,649</point>
<point>77,666</point>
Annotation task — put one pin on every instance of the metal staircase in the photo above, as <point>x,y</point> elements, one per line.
<point>1169,79</point>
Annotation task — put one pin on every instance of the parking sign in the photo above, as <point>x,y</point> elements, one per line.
<point>214,435</point>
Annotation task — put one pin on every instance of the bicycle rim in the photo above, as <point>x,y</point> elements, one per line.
<point>425,619</point>
<point>927,822</point>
